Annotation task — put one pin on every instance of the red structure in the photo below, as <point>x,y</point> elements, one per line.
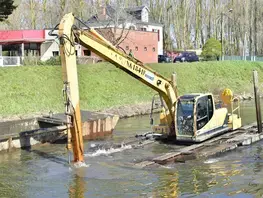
<point>144,45</point>
<point>19,36</point>
<point>172,54</point>
<point>21,42</point>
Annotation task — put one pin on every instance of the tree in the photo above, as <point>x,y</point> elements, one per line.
<point>6,8</point>
<point>33,15</point>
<point>116,25</point>
<point>211,49</point>
<point>187,24</point>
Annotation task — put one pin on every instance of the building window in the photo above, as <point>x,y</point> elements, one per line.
<point>145,48</point>
<point>153,49</point>
<point>87,52</point>
<point>31,49</point>
<point>143,29</point>
<point>55,53</point>
<point>158,31</point>
<point>127,47</point>
<point>136,48</point>
<point>145,15</point>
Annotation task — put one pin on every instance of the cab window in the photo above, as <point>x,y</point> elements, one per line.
<point>204,111</point>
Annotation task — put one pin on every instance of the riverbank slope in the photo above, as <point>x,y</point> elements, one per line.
<point>30,90</point>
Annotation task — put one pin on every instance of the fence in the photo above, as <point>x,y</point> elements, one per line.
<point>248,58</point>
<point>6,61</point>
<point>82,60</point>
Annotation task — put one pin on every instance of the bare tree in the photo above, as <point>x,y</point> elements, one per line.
<point>191,22</point>
<point>255,27</point>
<point>44,9</point>
<point>116,24</point>
<point>32,7</point>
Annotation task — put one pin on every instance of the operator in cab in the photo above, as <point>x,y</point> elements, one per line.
<point>131,53</point>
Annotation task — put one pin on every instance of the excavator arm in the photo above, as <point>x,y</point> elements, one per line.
<point>90,39</point>
<point>71,89</point>
<point>93,41</point>
<point>96,43</point>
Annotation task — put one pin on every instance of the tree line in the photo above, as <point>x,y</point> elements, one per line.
<point>188,24</point>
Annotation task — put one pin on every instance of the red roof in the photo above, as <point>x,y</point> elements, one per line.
<point>22,36</point>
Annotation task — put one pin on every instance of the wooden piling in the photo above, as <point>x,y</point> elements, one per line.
<point>10,143</point>
<point>174,84</point>
<point>257,101</point>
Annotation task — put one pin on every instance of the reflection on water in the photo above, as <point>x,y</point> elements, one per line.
<point>248,112</point>
<point>43,171</point>
<point>198,178</point>
<point>169,185</point>
<point>78,187</point>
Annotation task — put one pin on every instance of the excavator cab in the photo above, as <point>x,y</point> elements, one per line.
<point>193,113</point>
<point>199,117</point>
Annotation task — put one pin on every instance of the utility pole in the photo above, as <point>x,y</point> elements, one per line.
<point>245,47</point>
<point>255,29</point>
<point>222,49</point>
<point>169,40</point>
<point>222,32</point>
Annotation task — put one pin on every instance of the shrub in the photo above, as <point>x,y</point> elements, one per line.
<point>35,60</point>
<point>52,61</point>
<point>211,50</point>
<point>31,60</point>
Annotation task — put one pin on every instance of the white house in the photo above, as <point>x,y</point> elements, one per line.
<point>135,18</point>
<point>50,48</point>
<point>14,45</point>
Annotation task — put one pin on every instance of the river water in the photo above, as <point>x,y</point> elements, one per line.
<point>43,171</point>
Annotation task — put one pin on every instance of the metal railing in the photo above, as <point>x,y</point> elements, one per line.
<point>6,61</point>
<point>248,58</point>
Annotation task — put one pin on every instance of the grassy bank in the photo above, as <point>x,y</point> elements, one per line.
<point>31,89</point>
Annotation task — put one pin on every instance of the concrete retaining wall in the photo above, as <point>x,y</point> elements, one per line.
<point>29,138</point>
<point>29,132</point>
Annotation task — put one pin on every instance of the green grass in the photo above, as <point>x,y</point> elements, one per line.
<point>31,89</point>
<point>212,76</point>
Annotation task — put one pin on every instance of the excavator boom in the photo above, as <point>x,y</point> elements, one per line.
<point>192,117</point>
<point>90,39</point>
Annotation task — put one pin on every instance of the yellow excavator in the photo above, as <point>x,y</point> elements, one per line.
<point>192,117</point>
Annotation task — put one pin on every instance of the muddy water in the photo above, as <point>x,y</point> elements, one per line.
<point>43,171</point>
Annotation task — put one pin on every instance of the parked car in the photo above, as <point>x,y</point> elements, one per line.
<point>164,59</point>
<point>186,57</point>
